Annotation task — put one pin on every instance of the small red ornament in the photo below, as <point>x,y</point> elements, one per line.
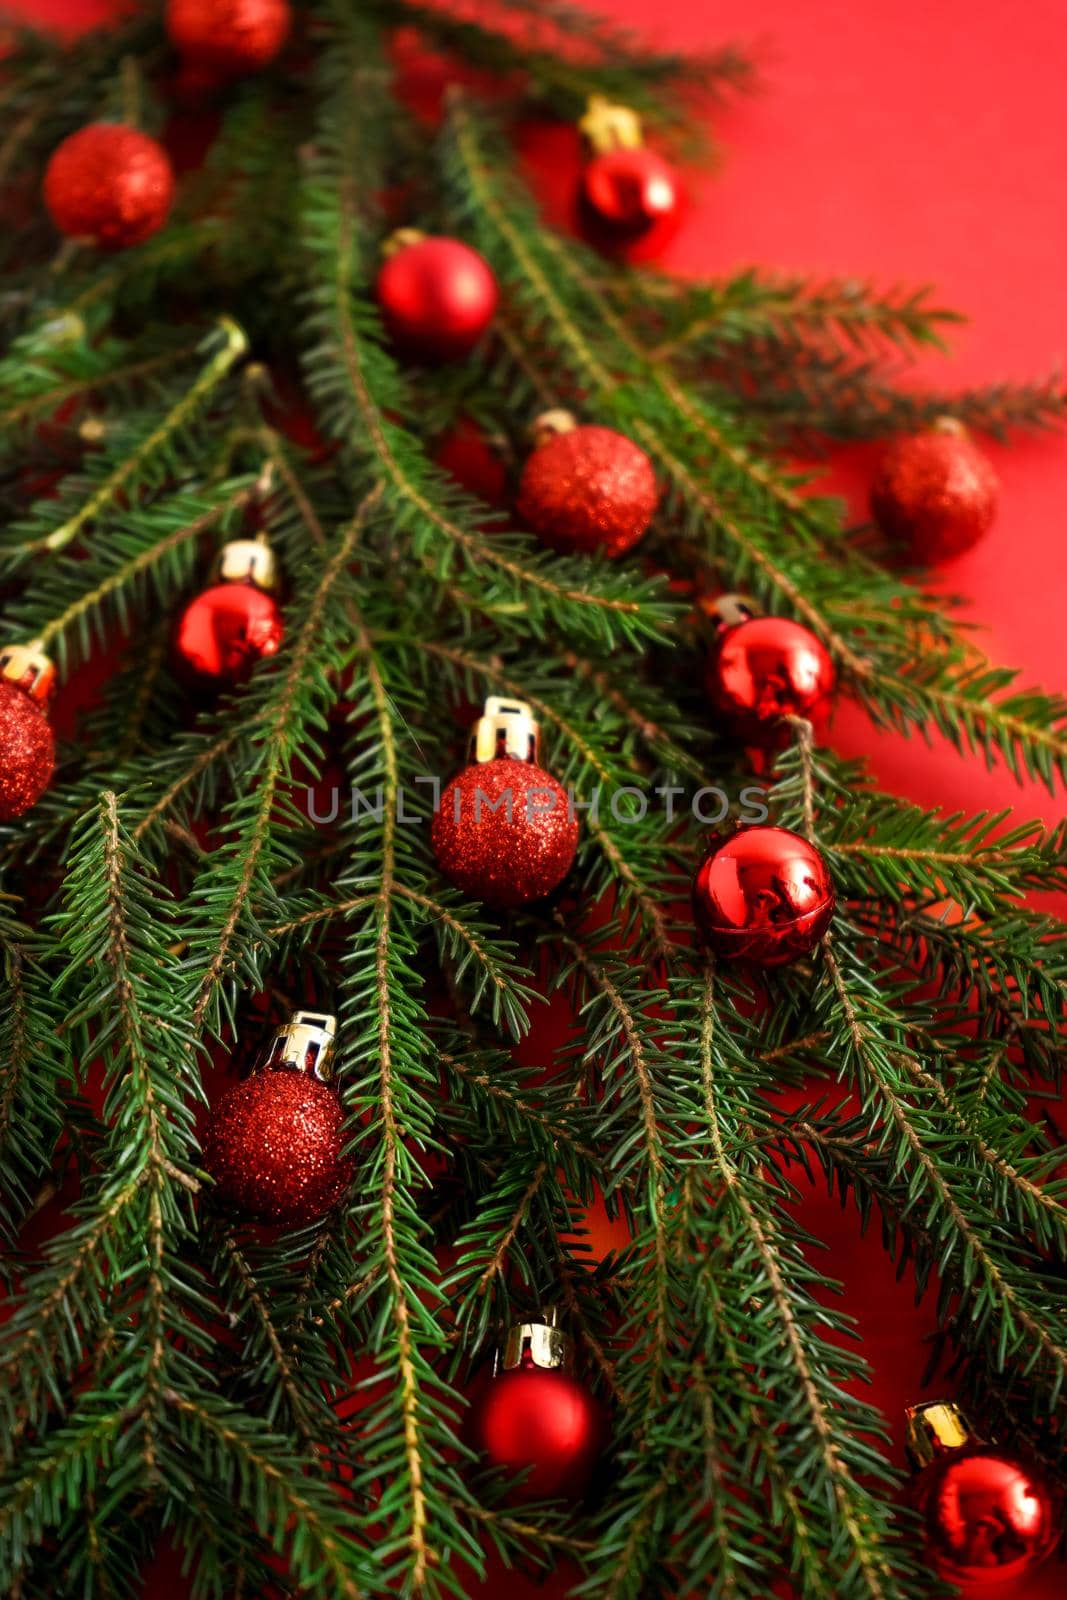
<point>228,37</point>
<point>536,1422</point>
<point>630,199</point>
<point>764,895</point>
<point>586,488</point>
<point>274,1142</point>
<point>935,493</point>
<point>505,832</point>
<point>109,183</point>
<point>988,1516</point>
<point>437,296</point>
<point>223,632</point>
<point>762,669</point>
<point>27,745</point>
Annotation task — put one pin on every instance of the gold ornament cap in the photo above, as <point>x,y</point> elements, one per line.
<point>551,423</point>
<point>304,1044</point>
<point>608,126</point>
<point>29,667</point>
<point>399,239</point>
<point>540,1343</point>
<point>727,610</point>
<point>247,561</point>
<point>934,1428</point>
<point>505,728</point>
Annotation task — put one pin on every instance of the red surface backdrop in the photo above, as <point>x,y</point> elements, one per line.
<point>908,142</point>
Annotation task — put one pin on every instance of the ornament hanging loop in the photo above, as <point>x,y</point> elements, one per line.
<point>609,126</point>
<point>506,728</point>
<point>304,1044</point>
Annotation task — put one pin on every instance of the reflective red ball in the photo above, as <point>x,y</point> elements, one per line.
<point>437,297</point>
<point>935,493</point>
<point>223,633</point>
<point>109,183</point>
<point>27,751</point>
<point>504,832</point>
<point>273,1146</point>
<point>988,1517</point>
<point>765,895</point>
<point>767,668</point>
<point>229,36</point>
<point>588,489</point>
<point>541,1427</point>
<point>630,202</point>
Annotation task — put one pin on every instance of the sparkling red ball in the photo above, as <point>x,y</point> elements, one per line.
<point>228,36</point>
<point>630,202</point>
<point>437,297</point>
<point>765,669</point>
<point>588,489</point>
<point>27,751</point>
<point>988,1517</point>
<point>109,183</point>
<point>504,832</point>
<point>223,632</point>
<point>764,895</point>
<point>541,1428</point>
<point>935,493</point>
<point>273,1146</point>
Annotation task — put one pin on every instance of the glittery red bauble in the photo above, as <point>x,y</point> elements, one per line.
<point>437,296</point>
<point>273,1146</point>
<point>541,1426</point>
<point>988,1517</point>
<point>935,493</point>
<point>588,489</point>
<point>765,895</point>
<point>630,202</point>
<point>109,183</point>
<point>27,751</point>
<point>229,36</point>
<point>225,631</point>
<point>503,832</point>
<point>767,668</point>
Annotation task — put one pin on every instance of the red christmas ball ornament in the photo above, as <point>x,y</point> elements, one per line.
<point>109,183</point>
<point>764,895</point>
<point>988,1516</point>
<point>586,488</point>
<point>935,493</point>
<point>505,832</point>
<point>535,1421</point>
<point>763,669</point>
<point>235,623</point>
<point>630,199</point>
<point>437,296</point>
<point>273,1144</point>
<point>27,745</point>
<point>228,37</point>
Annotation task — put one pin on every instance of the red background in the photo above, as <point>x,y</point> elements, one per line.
<point>906,142</point>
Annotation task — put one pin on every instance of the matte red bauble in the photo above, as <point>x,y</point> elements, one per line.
<point>437,296</point>
<point>109,183</point>
<point>630,201</point>
<point>765,668</point>
<point>587,488</point>
<point>504,832</point>
<point>228,37</point>
<point>224,632</point>
<point>27,745</point>
<point>273,1144</point>
<point>935,493</point>
<point>988,1516</point>
<point>764,895</point>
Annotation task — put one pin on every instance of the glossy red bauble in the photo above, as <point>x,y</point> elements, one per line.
<point>988,1517</point>
<point>504,832</point>
<point>935,493</point>
<point>273,1146</point>
<point>225,631</point>
<point>630,202</point>
<point>767,668</point>
<point>587,489</point>
<point>27,751</point>
<point>109,183</point>
<point>228,37</point>
<point>542,1428</point>
<point>765,895</point>
<point>437,297</point>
